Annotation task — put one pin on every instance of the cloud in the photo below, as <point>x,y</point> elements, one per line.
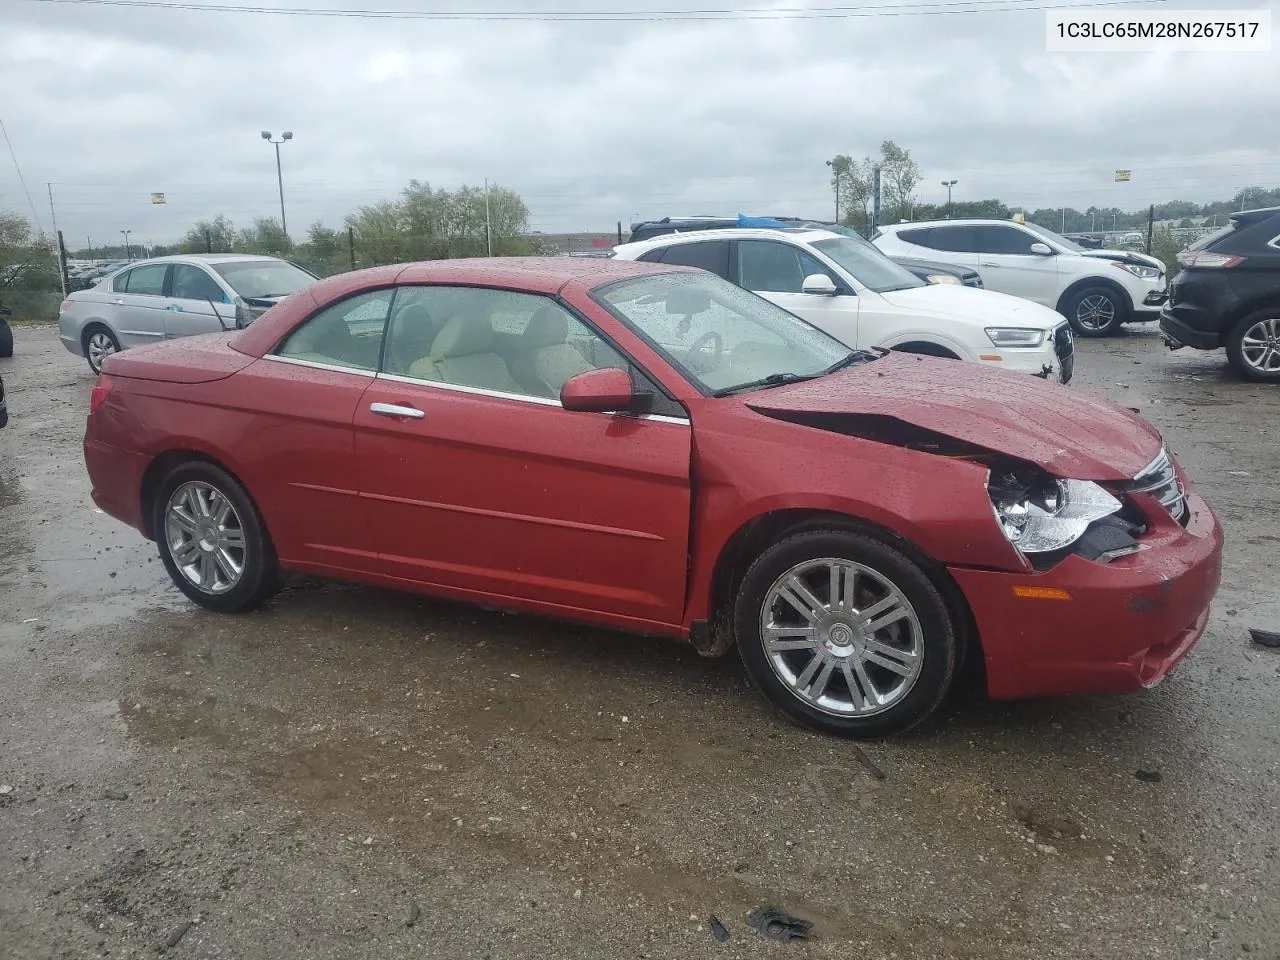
<point>597,122</point>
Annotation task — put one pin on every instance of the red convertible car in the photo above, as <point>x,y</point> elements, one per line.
<point>653,449</point>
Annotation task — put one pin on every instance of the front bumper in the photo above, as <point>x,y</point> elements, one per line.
<point>1052,360</point>
<point>1127,625</point>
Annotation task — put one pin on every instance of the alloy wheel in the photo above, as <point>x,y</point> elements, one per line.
<point>1096,312</point>
<point>205,537</point>
<point>1260,346</point>
<point>842,637</point>
<point>100,347</point>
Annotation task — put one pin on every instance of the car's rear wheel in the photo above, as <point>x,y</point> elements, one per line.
<point>1097,311</point>
<point>212,539</point>
<point>1253,346</point>
<point>99,343</point>
<point>845,633</point>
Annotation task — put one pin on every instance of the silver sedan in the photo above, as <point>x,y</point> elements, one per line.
<point>167,297</point>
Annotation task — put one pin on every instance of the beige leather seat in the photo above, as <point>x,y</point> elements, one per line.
<point>462,354</point>
<point>545,360</point>
<point>413,331</point>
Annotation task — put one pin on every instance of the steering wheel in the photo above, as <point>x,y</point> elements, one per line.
<point>700,346</point>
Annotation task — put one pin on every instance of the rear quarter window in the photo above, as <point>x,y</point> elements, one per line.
<point>919,237</point>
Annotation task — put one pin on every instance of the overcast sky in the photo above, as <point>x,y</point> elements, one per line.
<point>595,122</point>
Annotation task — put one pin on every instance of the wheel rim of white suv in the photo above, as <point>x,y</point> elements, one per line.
<point>1096,312</point>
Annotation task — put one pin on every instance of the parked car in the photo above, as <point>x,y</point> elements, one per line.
<point>930,271</point>
<point>6,333</point>
<point>850,289</point>
<point>1096,290</point>
<point>1086,240</point>
<point>169,297</point>
<point>1227,294</point>
<point>654,449</point>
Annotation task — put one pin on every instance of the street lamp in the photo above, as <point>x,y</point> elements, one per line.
<point>949,184</point>
<point>128,253</point>
<point>287,135</point>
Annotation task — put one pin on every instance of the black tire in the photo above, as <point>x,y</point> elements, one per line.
<point>6,339</point>
<point>90,332</point>
<point>258,579</point>
<point>1262,326</point>
<point>1098,310</point>
<point>937,637</point>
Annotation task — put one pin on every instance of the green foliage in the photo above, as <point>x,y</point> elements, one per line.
<point>28,270</point>
<point>209,236</point>
<point>1165,246</point>
<point>854,184</point>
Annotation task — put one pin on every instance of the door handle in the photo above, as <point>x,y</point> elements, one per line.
<point>396,410</point>
<point>988,263</point>
<point>118,302</point>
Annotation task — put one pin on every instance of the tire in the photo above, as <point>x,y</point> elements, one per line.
<point>921,641</point>
<point>1096,311</point>
<point>98,343</point>
<point>202,554</point>
<point>6,338</point>
<point>1253,346</point>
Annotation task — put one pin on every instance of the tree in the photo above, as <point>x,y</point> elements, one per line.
<point>899,177</point>
<point>209,236</point>
<point>854,183</point>
<point>265,237</point>
<point>29,282</point>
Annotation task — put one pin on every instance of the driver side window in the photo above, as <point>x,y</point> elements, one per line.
<point>771,267</point>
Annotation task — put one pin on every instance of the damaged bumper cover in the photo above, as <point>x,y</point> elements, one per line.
<point>1092,627</point>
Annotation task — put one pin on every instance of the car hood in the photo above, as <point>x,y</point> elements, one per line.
<point>1069,433</point>
<point>1124,256</point>
<point>977,308</point>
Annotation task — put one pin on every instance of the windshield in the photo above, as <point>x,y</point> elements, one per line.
<point>867,264</point>
<point>721,337</point>
<point>263,278</point>
<point>1054,238</point>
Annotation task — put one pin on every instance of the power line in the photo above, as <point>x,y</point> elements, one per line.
<point>21,179</point>
<point>935,8</point>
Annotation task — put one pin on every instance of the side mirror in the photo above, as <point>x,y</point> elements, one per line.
<point>598,391</point>
<point>820,284</point>
<point>1042,250</point>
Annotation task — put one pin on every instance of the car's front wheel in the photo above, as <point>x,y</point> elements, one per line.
<point>845,633</point>
<point>1253,346</point>
<point>99,343</point>
<point>1097,311</point>
<point>212,539</point>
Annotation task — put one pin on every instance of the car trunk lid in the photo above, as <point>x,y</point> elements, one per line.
<point>199,359</point>
<point>1069,433</point>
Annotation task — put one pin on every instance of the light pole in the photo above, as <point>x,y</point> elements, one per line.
<point>949,184</point>
<point>287,135</point>
<point>836,172</point>
<point>128,252</point>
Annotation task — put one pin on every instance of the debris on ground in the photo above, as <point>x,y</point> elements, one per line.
<point>1148,776</point>
<point>115,795</point>
<point>1265,638</point>
<point>718,929</point>
<point>414,914</point>
<point>867,764</point>
<point>777,924</point>
<point>176,935</point>
<point>5,788</point>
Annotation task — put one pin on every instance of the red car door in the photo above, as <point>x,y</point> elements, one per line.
<point>481,483</point>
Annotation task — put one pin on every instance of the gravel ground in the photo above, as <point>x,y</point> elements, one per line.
<point>354,772</point>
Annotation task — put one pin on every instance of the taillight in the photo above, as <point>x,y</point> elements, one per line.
<point>64,306</point>
<point>101,390</point>
<point>1203,258</point>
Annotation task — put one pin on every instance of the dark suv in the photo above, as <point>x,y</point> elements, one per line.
<point>1227,294</point>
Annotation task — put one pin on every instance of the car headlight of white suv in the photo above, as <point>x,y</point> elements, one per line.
<point>1016,336</point>
<point>1141,271</point>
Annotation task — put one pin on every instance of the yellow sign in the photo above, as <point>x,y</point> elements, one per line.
<point>1122,176</point>
<point>157,198</point>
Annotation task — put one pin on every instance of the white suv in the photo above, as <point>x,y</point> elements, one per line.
<point>1097,290</point>
<point>848,288</point>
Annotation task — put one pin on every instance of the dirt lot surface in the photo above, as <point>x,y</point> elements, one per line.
<point>355,773</point>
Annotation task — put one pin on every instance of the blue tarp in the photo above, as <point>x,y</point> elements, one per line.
<point>768,222</point>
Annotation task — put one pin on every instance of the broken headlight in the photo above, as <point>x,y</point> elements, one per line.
<point>1041,514</point>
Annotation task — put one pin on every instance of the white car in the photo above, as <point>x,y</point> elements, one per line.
<point>846,287</point>
<point>1096,290</point>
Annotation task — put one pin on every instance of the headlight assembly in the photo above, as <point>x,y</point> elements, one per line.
<point>1042,514</point>
<point>1015,336</point>
<point>1140,271</point>
<point>941,278</point>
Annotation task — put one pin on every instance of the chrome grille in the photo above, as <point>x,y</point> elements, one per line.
<point>1160,480</point>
